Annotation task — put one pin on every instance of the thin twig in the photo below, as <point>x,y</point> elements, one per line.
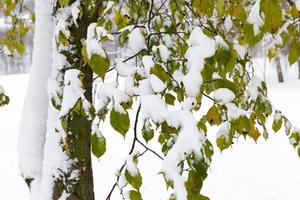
<point>148,149</point>
<point>130,152</point>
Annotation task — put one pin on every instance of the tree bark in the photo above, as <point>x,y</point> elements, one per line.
<point>279,70</point>
<point>77,124</point>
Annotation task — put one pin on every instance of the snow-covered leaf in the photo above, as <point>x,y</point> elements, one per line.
<point>98,145</point>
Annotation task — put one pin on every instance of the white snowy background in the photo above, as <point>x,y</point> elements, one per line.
<point>269,170</point>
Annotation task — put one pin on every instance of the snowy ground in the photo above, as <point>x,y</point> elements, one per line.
<point>264,171</point>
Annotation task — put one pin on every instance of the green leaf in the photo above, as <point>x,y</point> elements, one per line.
<point>220,7</point>
<point>4,100</point>
<point>98,145</point>
<point>19,45</point>
<point>63,2</point>
<point>198,173</point>
<point>159,71</point>
<point>135,195</point>
<point>120,20</point>
<point>294,52</point>
<point>169,99</point>
<point>127,105</point>
<point>223,142</point>
<point>99,65</point>
<point>197,197</point>
<point>223,83</point>
<point>237,10</point>
<point>272,14</point>
<point>203,7</point>
<point>213,116</point>
<point>195,181</point>
<point>242,125</point>
<point>201,126</point>
<point>208,151</point>
<point>249,36</point>
<point>254,133</point>
<point>63,39</point>
<point>147,133</point>
<point>295,139</point>
<point>120,121</point>
<point>277,124</point>
<point>134,181</point>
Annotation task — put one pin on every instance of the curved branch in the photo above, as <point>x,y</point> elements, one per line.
<point>130,152</point>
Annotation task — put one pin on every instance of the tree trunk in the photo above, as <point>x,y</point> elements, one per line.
<point>69,130</point>
<point>34,115</point>
<point>279,70</point>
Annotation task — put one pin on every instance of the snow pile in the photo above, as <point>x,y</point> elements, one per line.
<point>108,92</point>
<point>153,107</point>
<point>148,64</point>
<point>72,92</point>
<point>228,23</point>
<point>224,96</point>
<point>75,10</point>
<point>189,103</point>
<point>163,52</point>
<point>189,139</point>
<point>200,47</point>
<point>253,87</point>
<point>136,41</point>
<point>224,130</point>
<point>130,164</point>
<point>157,84</point>
<point>144,87</point>
<point>234,112</point>
<point>125,69</point>
<point>93,41</point>
<point>61,25</point>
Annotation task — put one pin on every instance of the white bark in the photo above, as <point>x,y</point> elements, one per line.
<point>34,116</point>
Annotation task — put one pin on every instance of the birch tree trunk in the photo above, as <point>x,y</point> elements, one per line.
<point>67,171</point>
<point>34,115</point>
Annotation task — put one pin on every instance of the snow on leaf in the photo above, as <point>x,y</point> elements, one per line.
<point>136,41</point>
<point>98,142</point>
<point>224,95</point>
<point>132,173</point>
<point>72,92</point>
